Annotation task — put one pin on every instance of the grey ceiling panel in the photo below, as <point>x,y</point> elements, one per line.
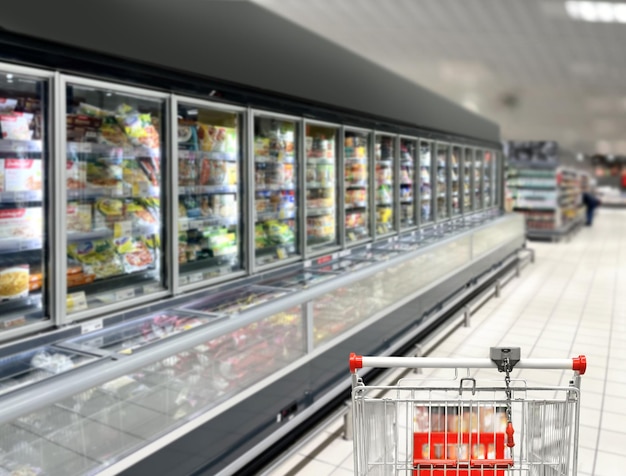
<point>247,44</point>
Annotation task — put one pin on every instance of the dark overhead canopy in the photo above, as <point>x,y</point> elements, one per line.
<point>241,42</point>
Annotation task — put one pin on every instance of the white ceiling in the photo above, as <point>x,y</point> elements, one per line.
<point>521,63</point>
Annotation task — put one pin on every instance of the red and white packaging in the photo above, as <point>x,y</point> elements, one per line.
<point>20,223</point>
<point>16,126</point>
<point>22,174</point>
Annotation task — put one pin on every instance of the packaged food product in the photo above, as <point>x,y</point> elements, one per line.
<point>206,136</point>
<point>22,174</point>
<point>150,166</point>
<point>262,146</point>
<point>1,175</point>
<point>80,279</point>
<point>110,207</point>
<point>14,282</point>
<point>16,126</point>
<point>103,173</point>
<point>20,222</point>
<point>98,257</point>
<point>74,269</point>
<point>7,105</point>
<point>76,174</point>
<point>187,172</point>
<point>135,254</point>
<point>279,233</point>
<point>93,111</point>
<point>79,217</point>
<point>260,237</point>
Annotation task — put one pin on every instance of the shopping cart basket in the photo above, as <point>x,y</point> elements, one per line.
<point>464,426</point>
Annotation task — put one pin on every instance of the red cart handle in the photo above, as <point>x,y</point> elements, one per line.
<point>578,364</point>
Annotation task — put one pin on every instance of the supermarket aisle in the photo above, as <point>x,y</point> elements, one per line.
<point>571,301</point>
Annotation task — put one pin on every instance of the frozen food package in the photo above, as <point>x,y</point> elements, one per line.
<point>14,282</point>
<point>187,172</point>
<point>79,217</point>
<point>76,175</point>
<point>7,105</point>
<point>206,136</point>
<point>98,257</point>
<point>20,223</point>
<point>136,256</point>
<point>1,175</point>
<point>22,174</point>
<point>16,126</point>
<point>150,166</point>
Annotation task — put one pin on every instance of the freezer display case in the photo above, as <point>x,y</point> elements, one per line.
<point>356,160</point>
<point>441,182</point>
<point>297,279</point>
<point>408,159</point>
<point>24,160</point>
<point>488,178</point>
<point>321,187</point>
<point>114,219</point>
<point>456,160</point>
<point>478,179</point>
<point>425,182</point>
<point>385,183</point>
<point>209,192</point>
<point>234,301</point>
<point>468,159</point>
<point>276,194</point>
<point>37,364</point>
<point>139,333</point>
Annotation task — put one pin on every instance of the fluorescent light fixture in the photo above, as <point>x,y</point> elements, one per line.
<point>596,12</point>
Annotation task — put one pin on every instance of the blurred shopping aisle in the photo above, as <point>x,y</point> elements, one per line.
<point>571,301</point>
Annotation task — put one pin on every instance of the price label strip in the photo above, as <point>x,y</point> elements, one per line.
<point>76,302</point>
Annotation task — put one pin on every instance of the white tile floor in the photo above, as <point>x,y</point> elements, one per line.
<point>571,301</point>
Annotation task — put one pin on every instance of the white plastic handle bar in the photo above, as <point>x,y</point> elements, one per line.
<point>579,364</point>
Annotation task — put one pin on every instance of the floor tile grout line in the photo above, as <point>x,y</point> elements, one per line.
<point>608,357</point>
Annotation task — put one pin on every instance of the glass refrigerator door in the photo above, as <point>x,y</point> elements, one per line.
<point>467,180</point>
<point>425,177</point>
<point>209,230</point>
<point>114,215</point>
<point>488,178</point>
<point>455,180</point>
<point>23,163</point>
<point>385,153</point>
<point>356,165</point>
<point>276,191</point>
<point>321,187</point>
<point>441,181</point>
<point>478,180</point>
<point>408,156</point>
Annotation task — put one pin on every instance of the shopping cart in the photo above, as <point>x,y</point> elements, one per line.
<point>464,426</point>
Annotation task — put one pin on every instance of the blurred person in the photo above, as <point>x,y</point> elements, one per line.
<point>591,202</point>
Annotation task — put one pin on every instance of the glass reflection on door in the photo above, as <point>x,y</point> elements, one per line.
<point>478,179</point>
<point>385,153</point>
<point>356,178</point>
<point>209,230</point>
<point>114,214</point>
<point>456,180</point>
<point>442,172</point>
<point>321,187</point>
<point>276,190</point>
<point>425,187</point>
<point>408,156</point>
<point>24,161</point>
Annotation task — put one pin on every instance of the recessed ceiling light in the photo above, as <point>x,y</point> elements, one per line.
<point>597,12</point>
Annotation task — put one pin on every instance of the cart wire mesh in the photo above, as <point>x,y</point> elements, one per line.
<point>445,429</point>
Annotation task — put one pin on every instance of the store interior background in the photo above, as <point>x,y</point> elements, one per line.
<point>541,69</point>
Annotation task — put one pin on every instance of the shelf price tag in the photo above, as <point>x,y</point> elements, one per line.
<point>124,294</point>
<point>195,277</point>
<point>351,236</point>
<point>91,326</point>
<point>151,288</point>
<point>76,302</point>
<point>123,228</point>
<point>196,225</point>
<point>281,253</point>
<point>183,280</point>
<point>183,225</point>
